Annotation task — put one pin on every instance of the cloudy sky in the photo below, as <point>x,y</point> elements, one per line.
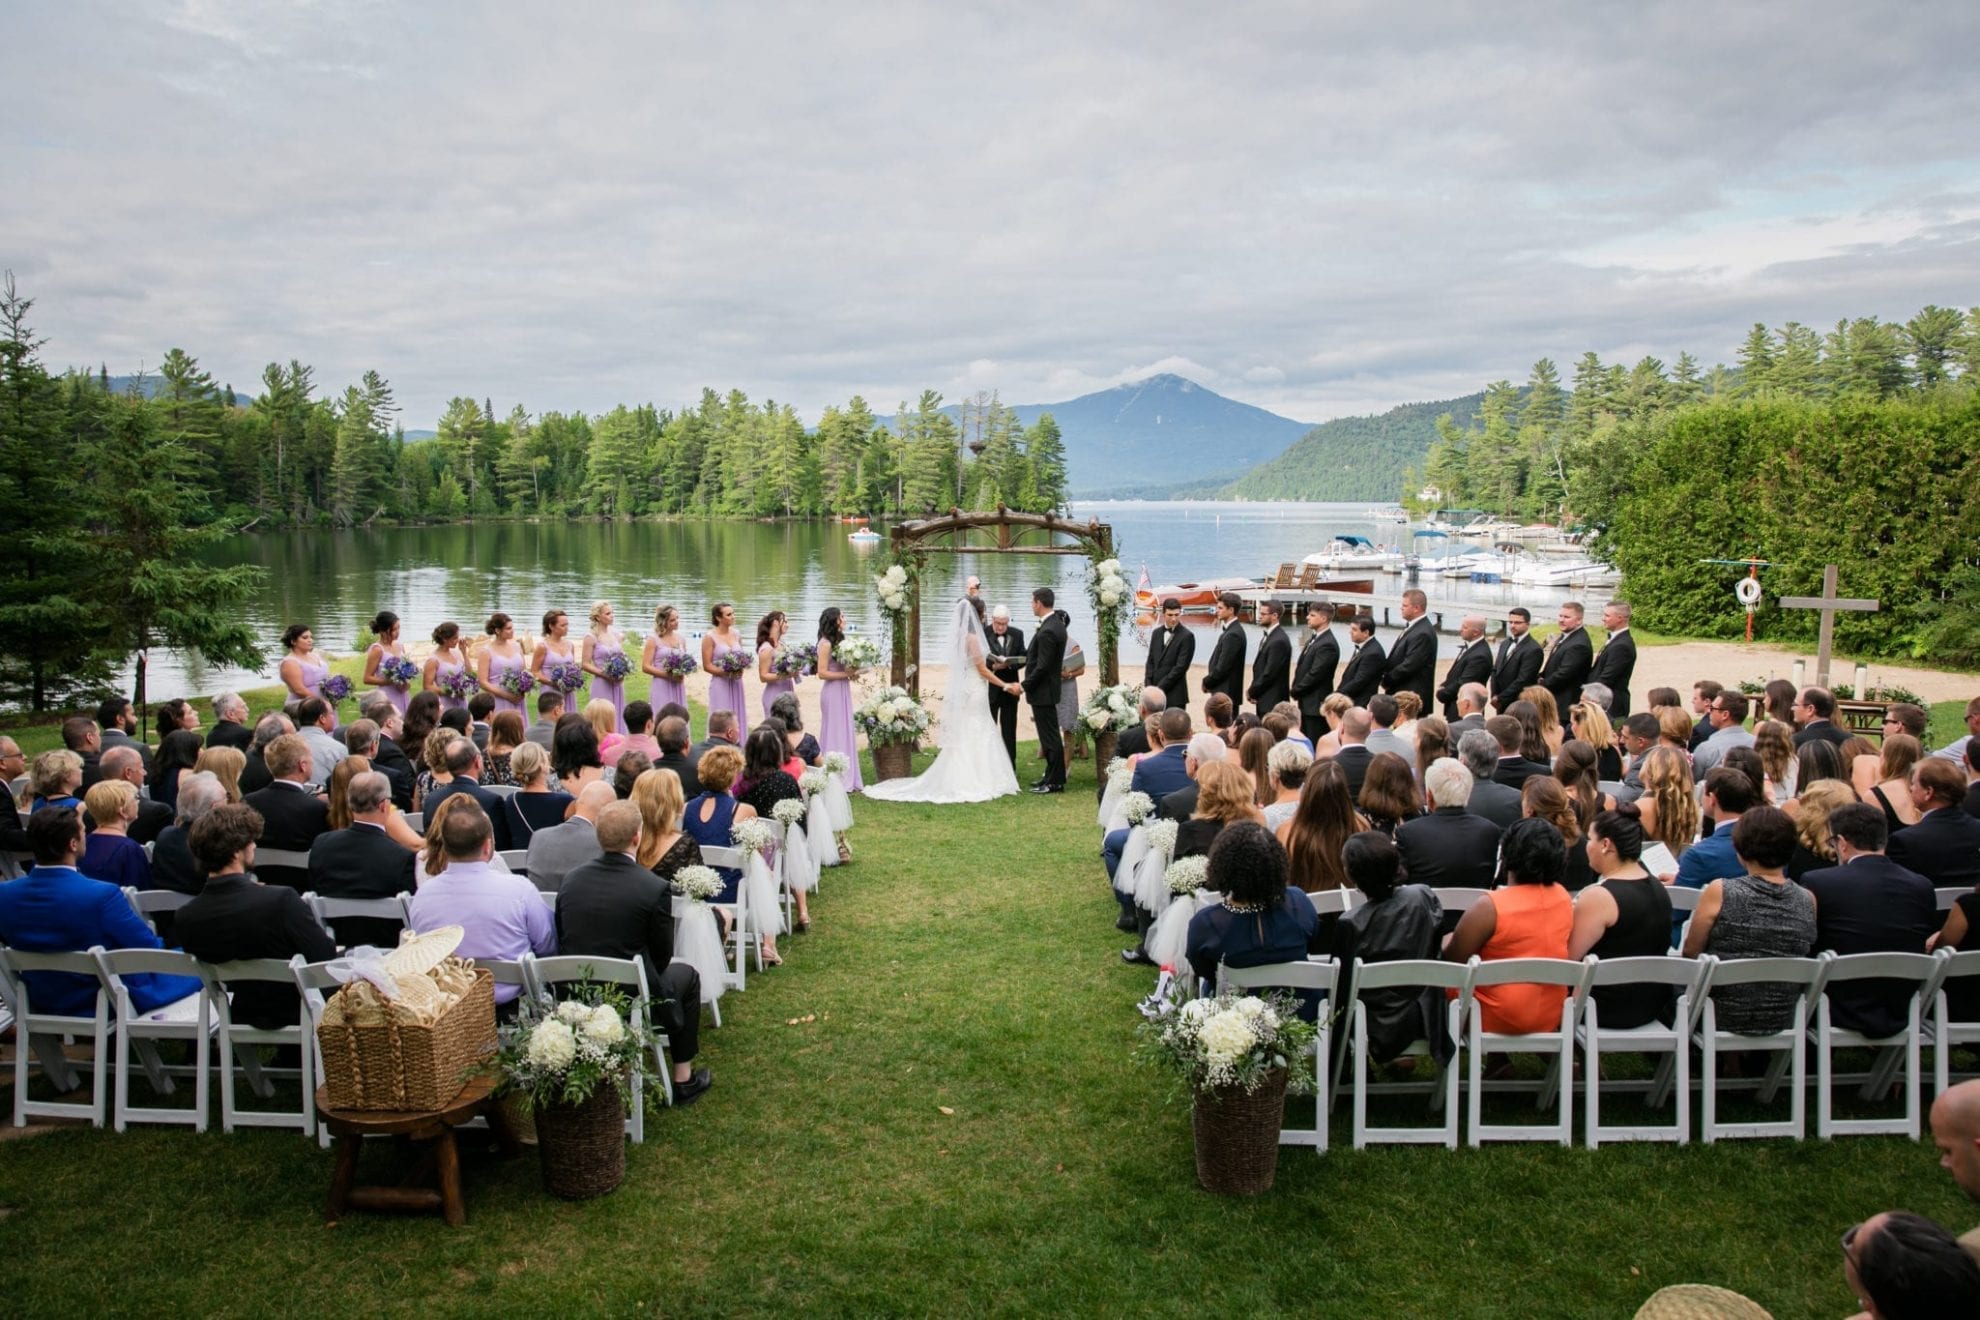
<point>1319,208</point>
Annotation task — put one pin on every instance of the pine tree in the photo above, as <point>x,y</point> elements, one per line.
<point>1045,455</point>
<point>352,472</point>
<point>463,429</point>
<point>613,464</point>
<point>1797,368</point>
<point>1591,401</point>
<point>1685,387</point>
<point>1931,336</point>
<point>1756,361</point>
<point>189,410</point>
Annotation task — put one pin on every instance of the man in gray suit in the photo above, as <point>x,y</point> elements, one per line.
<point>549,707</point>
<point>556,852</point>
<point>1496,802</point>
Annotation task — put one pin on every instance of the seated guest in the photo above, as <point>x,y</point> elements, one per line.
<point>804,749</point>
<point>236,916</point>
<point>1496,802</point>
<point>122,763</point>
<point>1891,793</point>
<point>556,850</point>
<point>1727,718</point>
<point>763,785</point>
<point>500,915</point>
<point>549,709</point>
<point>1748,762</point>
<point>1669,804</point>
<point>178,753</point>
<point>613,907</point>
<point>464,777</point>
<point>1815,849</point>
<point>672,739</point>
<point>722,732</point>
<point>1287,766</point>
<point>1902,1264</point>
<point>1449,847</point>
<point>54,908</point>
<point>1253,752</point>
<point>1543,798</point>
<point>1627,914</point>
<point>1397,922</point>
<point>80,736</point>
<point>1259,921</point>
<point>1816,760</point>
<point>1354,756</point>
<point>13,828</point>
<point>1135,741</point>
<point>1759,913</point>
<point>361,859</point>
<point>1973,777</point>
<point>710,816</point>
<point>1223,798</point>
<point>1773,743</point>
<point>1529,916</point>
<point>363,739</point>
<point>172,863</point>
<point>574,757</point>
<point>315,718</point>
<point>480,706</point>
<point>112,856</point>
<point>255,775</point>
<point>1333,709</point>
<point>1409,709</point>
<point>534,805</point>
<point>1589,722</point>
<point>1869,904</point>
<point>1433,744</point>
<point>1219,717</point>
<point>1383,712</point>
<point>433,774</point>
<point>1313,838</point>
<point>1638,734</point>
<point>1673,728</point>
<point>230,729</point>
<point>226,765</point>
<point>54,780</point>
<point>291,812</point>
<point>1814,717</point>
<point>664,847</point>
<point>118,725</point>
<point>174,715</point>
<point>603,717</point>
<point>1388,794</point>
<point>638,734</point>
<point>1944,846</point>
<point>627,770</point>
<point>1204,749</point>
<point>1514,767</point>
<point>505,734</point>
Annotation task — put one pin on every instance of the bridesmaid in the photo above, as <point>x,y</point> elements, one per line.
<point>835,699</point>
<point>666,637</point>
<point>302,670</point>
<point>600,644</point>
<point>769,636</point>
<point>501,656</point>
<point>555,644</point>
<point>447,658</point>
<point>724,692</point>
<point>386,629</point>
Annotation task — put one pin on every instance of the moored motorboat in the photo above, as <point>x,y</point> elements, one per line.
<point>1195,597</point>
<point>1356,552</point>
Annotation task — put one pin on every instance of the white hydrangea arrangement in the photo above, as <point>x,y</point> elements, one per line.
<point>1111,708</point>
<point>811,783</point>
<point>699,883</point>
<point>753,835</point>
<point>893,589</point>
<point>791,810</point>
<point>892,716</point>
<point>1186,875</point>
<point>857,653</point>
<point>562,1054</point>
<point>1161,836</point>
<point>1108,587</point>
<point>1232,1041</point>
<point>1137,807</point>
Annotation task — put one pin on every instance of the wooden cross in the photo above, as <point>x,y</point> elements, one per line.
<point>1828,602</point>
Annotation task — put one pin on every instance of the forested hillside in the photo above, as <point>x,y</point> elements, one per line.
<point>1355,458</point>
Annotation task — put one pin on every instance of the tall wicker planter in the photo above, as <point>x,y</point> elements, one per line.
<point>1237,1136</point>
<point>583,1146</point>
<point>893,760</point>
<point>1103,756</point>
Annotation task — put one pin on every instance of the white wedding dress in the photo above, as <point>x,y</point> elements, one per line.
<point>971,767</point>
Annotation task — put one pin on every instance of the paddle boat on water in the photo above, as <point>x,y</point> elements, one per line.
<point>865,536</point>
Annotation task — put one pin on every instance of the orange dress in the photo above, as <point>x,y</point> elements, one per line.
<point>1533,921</point>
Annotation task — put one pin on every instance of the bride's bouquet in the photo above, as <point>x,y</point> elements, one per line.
<point>1111,708</point>
<point>891,716</point>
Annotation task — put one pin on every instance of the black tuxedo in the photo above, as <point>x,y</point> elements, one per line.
<point>235,916</point>
<point>1473,665</point>
<point>226,733</point>
<point>615,908</point>
<point>1871,905</point>
<point>361,862</point>
<point>1313,681</point>
<point>1169,652</point>
<point>1353,760</point>
<point>1514,771</point>
<point>1944,847</point>
<point>1363,677</point>
<point>1006,658</point>
<point>1613,667</point>
<point>1413,661</point>
<point>490,803</point>
<point>1271,671</point>
<point>1566,669</point>
<point>1450,847</point>
<point>1225,672</point>
<point>1516,667</point>
<point>390,760</point>
<point>1042,682</point>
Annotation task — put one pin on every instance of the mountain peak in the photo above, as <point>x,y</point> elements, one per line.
<point>1161,380</point>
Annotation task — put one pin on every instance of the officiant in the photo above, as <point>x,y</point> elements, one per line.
<point>1005,660</point>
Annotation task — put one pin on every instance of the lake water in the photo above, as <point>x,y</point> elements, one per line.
<point>336,581</point>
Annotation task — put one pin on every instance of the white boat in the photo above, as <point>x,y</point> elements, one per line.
<point>1390,515</point>
<point>1583,572</point>
<point>864,536</point>
<point>1356,552</point>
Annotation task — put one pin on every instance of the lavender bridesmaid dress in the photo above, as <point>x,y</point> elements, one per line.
<point>604,689</point>
<point>726,693</point>
<point>440,672</point>
<point>665,689</point>
<point>835,724</point>
<point>400,697</point>
<point>314,672</point>
<point>499,665</point>
<point>771,691</point>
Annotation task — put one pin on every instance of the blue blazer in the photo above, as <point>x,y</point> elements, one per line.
<point>1161,774</point>
<point>56,909</point>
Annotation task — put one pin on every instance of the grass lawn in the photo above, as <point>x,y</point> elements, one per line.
<point>951,1124</point>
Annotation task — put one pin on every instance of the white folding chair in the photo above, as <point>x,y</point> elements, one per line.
<point>1805,976</point>
<point>149,846</point>
<point>738,912</point>
<point>1944,1032</point>
<point>239,1043</point>
<point>501,790</point>
<point>1331,902</point>
<point>516,859</point>
<point>415,821</point>
<point>1321,974</point>
<point>1558,1086</point>
<point>148,903</point>
<point>1949,895</point>
<point>282,866</point>
<point>1681,974</point>
<point>1683,900</point>
<point>190,1019</point>
<point>40,1035</point>
<point>1922,972</point>
<point>396,908</point>
<point>1457,899</point>
<point>1407,975</point>
<point>545,974</point>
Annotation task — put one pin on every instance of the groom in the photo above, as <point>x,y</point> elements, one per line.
<point>1041,688</point>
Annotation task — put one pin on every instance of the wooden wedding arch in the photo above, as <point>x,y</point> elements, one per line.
<point>998,531</point>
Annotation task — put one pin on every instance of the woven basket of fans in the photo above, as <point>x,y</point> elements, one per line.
<point>414,1049</point>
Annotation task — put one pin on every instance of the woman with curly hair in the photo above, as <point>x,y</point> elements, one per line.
<point>1669,805</point>
<point>1548,713</point>
<point>1773,742</point>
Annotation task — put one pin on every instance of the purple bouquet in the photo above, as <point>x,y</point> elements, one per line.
<point>794,660</point>
<point>458,684</point>
<point>516,682</point>
<point>566,676</point>
<point>335,688</point>
<point>398,671</point>
<point>676,665</point>
<point>730,661</point>
<point>615,666</point>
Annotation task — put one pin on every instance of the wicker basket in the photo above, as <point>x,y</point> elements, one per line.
<point>1237,1136</point>
<point>893,760</point>
<point>583,1146</point>
<point>395,1067</point>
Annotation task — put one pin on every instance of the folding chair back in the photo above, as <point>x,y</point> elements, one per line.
<point>516,859</point>
<point>500,790</point>
<point>240,1042</point>
<point>397,908</point>
<point>282,866</point>
<point>148,903</point>
<point>1331,902</point>
<point>1949,895</point>
<point>188,1020</point>
<point>545,974</point>
<point>1321,975</point>
<point>1804,975</point>
<point>1919,972</point>
<point>40,1035</point>
<point>1947,1032</point>
<point>738,911</point>
<point>1458,899</point>
<point>1571,977</point>
<point>415,821</point>
<point>1406,975</point>
<point>1653,1037</point>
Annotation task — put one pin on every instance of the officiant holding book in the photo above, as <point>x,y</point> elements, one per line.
<point>1005,660</point>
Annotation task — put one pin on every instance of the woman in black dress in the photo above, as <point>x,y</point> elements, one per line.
<point>1627,914</point>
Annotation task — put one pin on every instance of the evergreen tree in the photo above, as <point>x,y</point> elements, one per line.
<point>1931,336</point>
<point>463,429</point>
<point>1797,368</point>
<point>351,471</point>
<point>189,410</point>
<point>614,463</point>
<point>1685,387</point>
<point>1045,461</point>
<point>1756,361</point>
<point>1591,398</point>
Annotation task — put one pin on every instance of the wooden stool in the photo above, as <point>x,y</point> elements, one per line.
<point>352,1126</point>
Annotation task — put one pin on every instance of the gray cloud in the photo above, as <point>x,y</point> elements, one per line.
<point>1319,213</point>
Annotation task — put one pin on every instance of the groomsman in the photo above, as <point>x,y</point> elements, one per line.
<point>1272,670</point>
<point>1413,655</point>
<point>1363,676</point>
<point>1472,665</point>
<point>1225,672</point>
<point>1518,664</point>
<point>1569,658</point>
<point>1313,675</point>
<point>1005,659</point>
<point>1618,658</point>
<point>1170,649</point>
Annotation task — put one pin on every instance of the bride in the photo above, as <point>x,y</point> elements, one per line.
<point>971,766</point>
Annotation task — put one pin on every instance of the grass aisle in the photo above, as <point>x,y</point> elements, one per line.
<point>951,1125</point>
